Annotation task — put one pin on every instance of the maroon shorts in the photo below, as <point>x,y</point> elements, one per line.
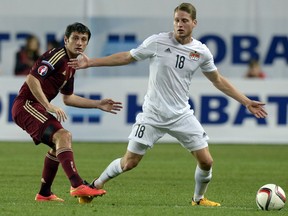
<point>35,120</point>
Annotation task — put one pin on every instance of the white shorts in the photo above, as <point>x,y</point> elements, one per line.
<point>186,129</point>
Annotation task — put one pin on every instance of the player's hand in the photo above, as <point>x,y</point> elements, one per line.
<point>60,114</point>
<point>256,108</point>
<point>80,62</point>
<point>108,105</point>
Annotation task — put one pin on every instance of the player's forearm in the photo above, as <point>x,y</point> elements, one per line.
<point>35,88</point>
<point>227,88</point>
<point>116,59</point>
<point>80,102</point>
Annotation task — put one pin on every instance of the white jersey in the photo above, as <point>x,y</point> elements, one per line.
<point>172,66</point>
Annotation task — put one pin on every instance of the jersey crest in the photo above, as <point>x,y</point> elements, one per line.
<point>194,56</point>
<point>42,70</point>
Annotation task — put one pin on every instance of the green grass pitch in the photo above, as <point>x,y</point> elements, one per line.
<point>162,184</point>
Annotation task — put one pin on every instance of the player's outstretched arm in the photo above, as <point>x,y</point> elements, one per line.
<point>107,105</point>
<point>221,83</point>
<point>117,59</point>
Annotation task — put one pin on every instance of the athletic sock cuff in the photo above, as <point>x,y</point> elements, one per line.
<point>61,150</point>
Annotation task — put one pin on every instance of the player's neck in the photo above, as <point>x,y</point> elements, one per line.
<point>184,40</point>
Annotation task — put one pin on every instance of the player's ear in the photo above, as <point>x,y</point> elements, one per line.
<point>65,40</point>
<point>195,22</point>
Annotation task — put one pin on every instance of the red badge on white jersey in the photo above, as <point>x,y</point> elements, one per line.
<point>42,70</point>
<point>194,56</point>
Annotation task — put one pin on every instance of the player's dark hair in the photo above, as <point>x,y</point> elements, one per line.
<point>77,27</point>
<point>187,7</point>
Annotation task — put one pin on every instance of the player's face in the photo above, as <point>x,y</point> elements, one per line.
<point>183,26</point>
<point>77,42</point>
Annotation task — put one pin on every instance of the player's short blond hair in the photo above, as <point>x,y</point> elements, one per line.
<point>187,7</point>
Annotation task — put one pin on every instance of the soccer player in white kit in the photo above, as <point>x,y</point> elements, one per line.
<point>174,58</point>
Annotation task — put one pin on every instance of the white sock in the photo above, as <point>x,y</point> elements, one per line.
<point>202,179</point>
<point>112,170</point>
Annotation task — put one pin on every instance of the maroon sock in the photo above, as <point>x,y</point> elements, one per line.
<point>66,158</point>
<point>50,169</point>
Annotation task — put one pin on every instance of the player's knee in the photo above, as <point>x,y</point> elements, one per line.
<point>206,164</point>
<point>65,135</point>
<point>63,138</point>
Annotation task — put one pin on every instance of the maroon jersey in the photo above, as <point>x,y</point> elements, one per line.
<point>53,74</point>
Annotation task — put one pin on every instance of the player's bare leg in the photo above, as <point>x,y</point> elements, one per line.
<point>203,175</point>
<point>129,161</point>
<point>63,141</point>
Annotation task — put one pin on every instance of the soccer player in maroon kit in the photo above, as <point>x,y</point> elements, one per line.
<point>33,112</point>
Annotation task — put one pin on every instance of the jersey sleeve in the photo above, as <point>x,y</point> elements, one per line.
<point>41,69</point>
<point>68,88</point>
<point>145,50</point>
<point>208,64</point>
